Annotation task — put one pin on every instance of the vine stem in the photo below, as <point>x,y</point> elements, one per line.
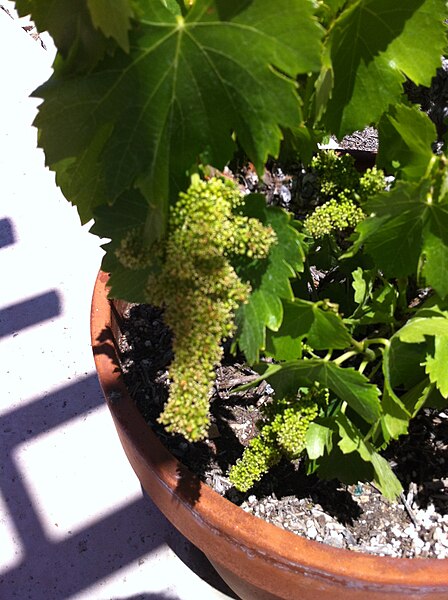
<point>383,341</point>
<point>340,359</point>
<point>362,366</point>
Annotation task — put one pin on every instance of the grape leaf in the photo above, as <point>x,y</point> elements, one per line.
<point>406,225</point>
<point>113,18</point>
<point>417,329</point>
<point>405,137</point>
<point>435,250</point>
<point>323,329</point>
<point>374,45</point>
<point>353,441</point>
<point>437,366</point>
<point>404,363</point>
<point>70,25</point>
<point>349,385</point>
<point>80,180</point>
<point>396,411</point>
<point>269,281</point>
<point>434,331</point>
<point>185,87</point>
<point>115,221</point>
<point>319,438</point>
<point>376,303</point>
<point>396,417</point>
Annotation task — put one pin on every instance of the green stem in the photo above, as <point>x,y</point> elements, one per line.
<point>362,366</point>
<point>328,356</point>
<point>372,432</point>
<point>383,341</point>
<point>374,370</point>
<point>338,361</point>
<point>430,167</point>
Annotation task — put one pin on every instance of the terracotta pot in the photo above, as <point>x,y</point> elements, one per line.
<point>258,561</point>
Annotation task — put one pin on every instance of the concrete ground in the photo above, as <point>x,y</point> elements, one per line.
<point>73,521</point>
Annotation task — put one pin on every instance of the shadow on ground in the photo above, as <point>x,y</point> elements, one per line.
<point>51,569</point>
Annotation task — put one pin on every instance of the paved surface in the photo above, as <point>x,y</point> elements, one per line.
<point>73,521</point>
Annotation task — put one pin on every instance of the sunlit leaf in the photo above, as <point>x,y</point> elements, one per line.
<point>322,329</point>
<point>374,45</point>
<point>349,385</point>
<point>270,281</point>
<point>186,86</point>
<point>112,18</point>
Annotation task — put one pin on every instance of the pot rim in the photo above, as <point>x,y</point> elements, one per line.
<point>243,530</point>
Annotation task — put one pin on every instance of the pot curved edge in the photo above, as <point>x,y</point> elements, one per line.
<point>259,561</point>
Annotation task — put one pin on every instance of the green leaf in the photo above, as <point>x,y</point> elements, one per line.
<point>435,251</point>
<point>350,469</point>
<point>406,136</point>
<point>70,25</point>
<point>407,224</point>
<point>420,395</point>
<point>396,417</point>
<point>115,221</point>
<point>80,179</point>
<point>352,441</point>
<point>404,363</point>
<point>113,18</point>
<point>385,479</point>
<point>319,439</point>
<point>173,6</point>
<point>417,329</point>
<point>323,329</point>
<point>376,301</point>
<point>185,87</point>
<point>430,326</point>
<point>270,280</point>
<point>437,366</point>
<point>374,45</point>
<point>127,284</point>
<point>349,385</point>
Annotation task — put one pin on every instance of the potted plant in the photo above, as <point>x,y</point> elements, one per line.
<point>148,102</point>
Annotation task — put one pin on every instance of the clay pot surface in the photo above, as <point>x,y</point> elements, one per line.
<point>259,561</point>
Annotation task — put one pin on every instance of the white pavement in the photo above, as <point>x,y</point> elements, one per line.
<point>70,529</point>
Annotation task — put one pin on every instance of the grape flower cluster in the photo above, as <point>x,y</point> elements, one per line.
<point>284,434</point>
<point>200,292</point>
<point>344,191</point>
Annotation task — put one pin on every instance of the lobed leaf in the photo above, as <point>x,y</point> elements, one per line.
<point>184,88</point>
<point>112,18</point>
<point>319,439</point>
<point>115,221</point>
<point>323,329</point>
<point>348,385</point>
<point>407,224</point>
<point>70,25</point>
<point>270,281</point>
<point>351,440</point>
<point>374,45</point>
<point>406,135</point>
<point>429,328</point>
